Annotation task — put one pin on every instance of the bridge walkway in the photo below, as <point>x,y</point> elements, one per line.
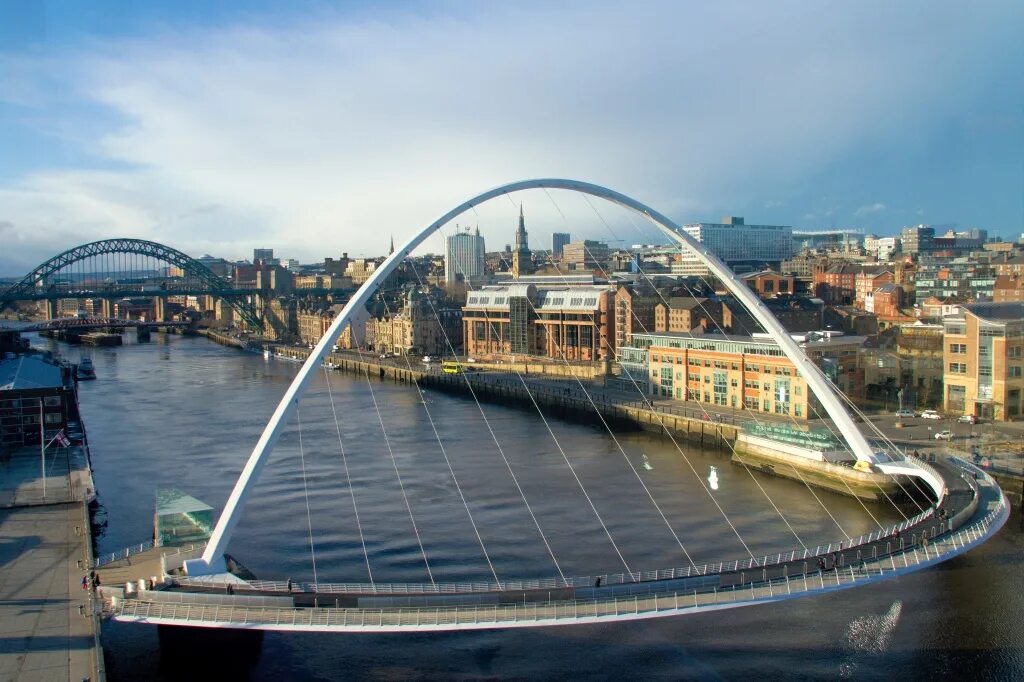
<point>966,527</point>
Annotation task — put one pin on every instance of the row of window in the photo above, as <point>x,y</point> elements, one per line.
<point>15,403</point>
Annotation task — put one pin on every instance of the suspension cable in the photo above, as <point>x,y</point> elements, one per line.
<point>692,468</point>
<point>451,470</point>
<point>497,443</point>
<point>753,413</point>
<point>305,489</point>
<point>348,477</point>
<point>398,475</point>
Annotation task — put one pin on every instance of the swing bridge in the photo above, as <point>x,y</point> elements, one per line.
<point>193,586</point>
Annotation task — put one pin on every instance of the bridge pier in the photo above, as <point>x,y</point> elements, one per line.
<point>106,308</point>
<point>159,308</point>
<point>51,309</point>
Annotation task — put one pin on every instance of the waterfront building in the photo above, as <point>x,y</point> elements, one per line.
<point>422,327</point>
<point>571,322</point>
<point>634,311</point>
<point>30,386</point>
<point>737,371</point>
<point>558,242</point>
<point>464,257</point>
<point>280,321</point>
<point>984,361</point>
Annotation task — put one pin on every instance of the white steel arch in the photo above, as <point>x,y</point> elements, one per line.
<point>212,560</point>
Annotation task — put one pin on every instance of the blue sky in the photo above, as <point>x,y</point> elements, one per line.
<point>317,128</point>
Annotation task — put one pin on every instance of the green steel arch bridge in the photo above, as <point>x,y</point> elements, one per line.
<point>123,267</point>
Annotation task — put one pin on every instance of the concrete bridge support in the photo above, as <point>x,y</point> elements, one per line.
<point>106,308</point>
<point>50,308</point>
<point>159,308</point>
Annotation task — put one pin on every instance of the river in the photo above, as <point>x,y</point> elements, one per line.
<point>184,412</point>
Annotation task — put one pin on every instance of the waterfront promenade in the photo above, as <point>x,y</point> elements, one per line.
<point>47,627</point>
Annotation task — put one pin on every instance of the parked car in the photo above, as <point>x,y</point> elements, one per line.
<point>427,359</point>
<point>967,419</point>
<point>905,414</point>
<point>944,435</point>
<point>930,414</point>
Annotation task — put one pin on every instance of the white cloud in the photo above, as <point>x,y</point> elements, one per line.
<point>869,209</point>
<point>331,134</point>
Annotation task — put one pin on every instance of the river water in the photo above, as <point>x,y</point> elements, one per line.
<point>185,413</point>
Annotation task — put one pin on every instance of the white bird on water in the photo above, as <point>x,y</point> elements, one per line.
<point>647,464</point>
<point>713,477</point>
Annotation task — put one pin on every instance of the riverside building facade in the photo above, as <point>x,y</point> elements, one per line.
<point>737,372</point>
<point>575,322</point>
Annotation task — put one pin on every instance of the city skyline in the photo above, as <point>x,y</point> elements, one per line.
<point>315,130</point>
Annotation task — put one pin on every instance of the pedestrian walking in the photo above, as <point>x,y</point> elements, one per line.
<point>85,582</point>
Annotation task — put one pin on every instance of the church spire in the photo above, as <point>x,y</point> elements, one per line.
<point>392,245</point>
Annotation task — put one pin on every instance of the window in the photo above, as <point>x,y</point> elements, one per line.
<point>958,368</point>
<point>1015,371</point>
<point>479,333</point>
<point>692,394</point>
<point>52,401</point>
<point>53,418</point>
<point>958,348</point>
<point>798,410</point>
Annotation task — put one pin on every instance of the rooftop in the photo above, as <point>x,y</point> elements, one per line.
<point>997,312</point>
<point>29,372</point>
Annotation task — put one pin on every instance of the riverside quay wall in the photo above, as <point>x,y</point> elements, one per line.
<point>535,385</point>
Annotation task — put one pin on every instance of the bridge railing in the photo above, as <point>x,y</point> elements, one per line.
<point>673,573</point>
<point>122,554</point>
<point>607,607</point>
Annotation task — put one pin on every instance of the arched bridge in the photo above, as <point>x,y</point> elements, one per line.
<point>80,273</point>
<point>969,508</point>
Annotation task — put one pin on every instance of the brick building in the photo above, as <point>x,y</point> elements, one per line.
<point>576,322</point>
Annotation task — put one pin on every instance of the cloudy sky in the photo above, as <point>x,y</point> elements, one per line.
<point>217,126</point>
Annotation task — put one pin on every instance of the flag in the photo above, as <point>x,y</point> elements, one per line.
<point>62,439</point>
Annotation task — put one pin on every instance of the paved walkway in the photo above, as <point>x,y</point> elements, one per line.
<point>43,633</point>
<point>46,625</point>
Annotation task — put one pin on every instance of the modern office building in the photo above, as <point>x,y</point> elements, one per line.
<point>739,244</point>
<point>917,239</point>
<point>464,257</point>
<point>264,257</point>
<point>585,254</point>
<point>984,361</point>
<point>558,242</point>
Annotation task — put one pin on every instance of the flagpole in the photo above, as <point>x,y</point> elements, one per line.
<point>42,446</point>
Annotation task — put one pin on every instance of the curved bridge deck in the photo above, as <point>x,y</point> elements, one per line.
<point>975,509</point>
